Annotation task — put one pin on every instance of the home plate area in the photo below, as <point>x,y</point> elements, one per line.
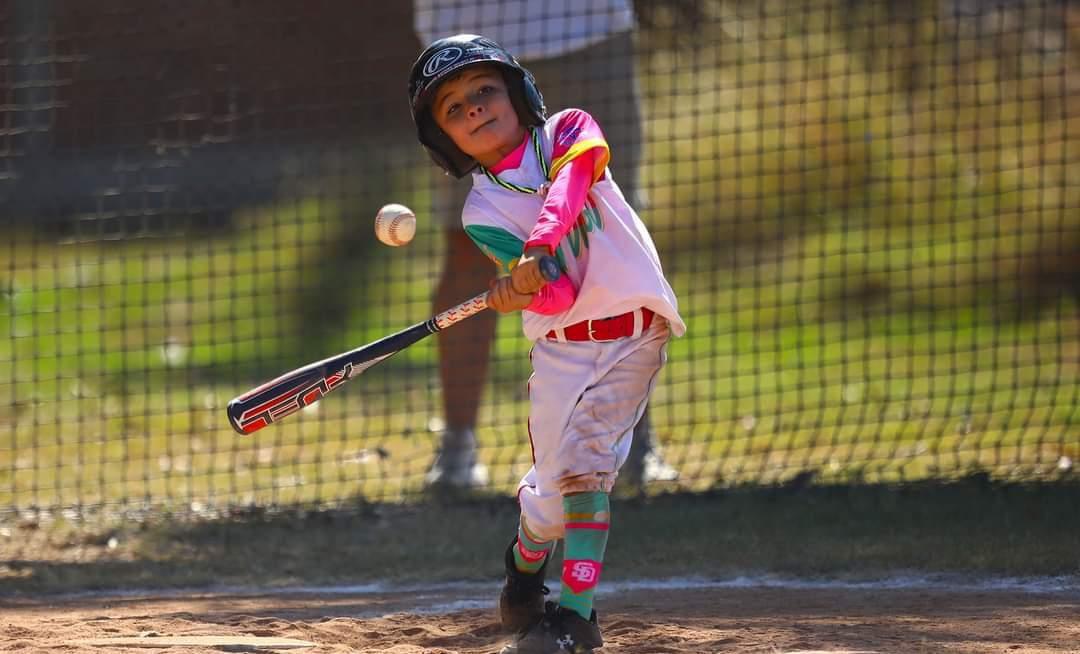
<point>635,618</point>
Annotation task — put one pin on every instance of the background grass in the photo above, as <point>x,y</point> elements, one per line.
<point>959,531</point>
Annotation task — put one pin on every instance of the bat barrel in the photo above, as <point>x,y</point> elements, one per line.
<point>304,386</point>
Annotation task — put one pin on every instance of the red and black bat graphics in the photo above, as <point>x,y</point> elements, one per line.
<point>304,386</point>
<point>299,388</point>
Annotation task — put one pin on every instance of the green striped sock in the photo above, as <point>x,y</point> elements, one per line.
<point>587,517</point>
<point>531,551</point>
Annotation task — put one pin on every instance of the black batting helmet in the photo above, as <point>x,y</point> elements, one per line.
<point>447,57</point>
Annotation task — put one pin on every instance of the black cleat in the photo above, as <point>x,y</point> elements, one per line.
<point>521,602</point>
<point>560,631</point>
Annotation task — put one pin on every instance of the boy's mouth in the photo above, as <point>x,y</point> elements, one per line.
<point>482,126</point>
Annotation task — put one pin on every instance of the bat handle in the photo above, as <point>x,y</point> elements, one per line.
<point>549,268</point>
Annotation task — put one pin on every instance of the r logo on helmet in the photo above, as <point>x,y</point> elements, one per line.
<point>441,59</point>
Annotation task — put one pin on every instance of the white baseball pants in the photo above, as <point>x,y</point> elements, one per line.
<point>585,399</point>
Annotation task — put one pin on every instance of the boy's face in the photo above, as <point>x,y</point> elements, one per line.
<point>475,111</point>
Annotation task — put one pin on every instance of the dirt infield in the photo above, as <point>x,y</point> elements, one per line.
<point>756,619</point>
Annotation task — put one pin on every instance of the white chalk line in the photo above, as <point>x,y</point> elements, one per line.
<point>431,598</point>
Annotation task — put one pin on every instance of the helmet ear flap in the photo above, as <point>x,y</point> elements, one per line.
<point>443,151</point>
<point>533,98</point>
<point>525,96</point>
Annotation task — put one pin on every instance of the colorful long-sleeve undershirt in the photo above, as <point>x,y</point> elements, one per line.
<point>564,202</point>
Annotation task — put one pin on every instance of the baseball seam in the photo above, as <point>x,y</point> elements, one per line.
<point>394,229</point>
<point>388,228</point>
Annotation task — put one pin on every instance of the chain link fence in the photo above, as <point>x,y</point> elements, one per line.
<point>867,209</point>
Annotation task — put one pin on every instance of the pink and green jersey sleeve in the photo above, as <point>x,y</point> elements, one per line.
<point>579,158</point>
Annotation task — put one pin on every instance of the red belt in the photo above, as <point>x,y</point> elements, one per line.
<point>604,329</point>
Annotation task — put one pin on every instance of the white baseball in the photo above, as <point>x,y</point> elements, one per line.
<point>395,224</point>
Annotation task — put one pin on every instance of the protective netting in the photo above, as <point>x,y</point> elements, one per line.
<point>868,210</point>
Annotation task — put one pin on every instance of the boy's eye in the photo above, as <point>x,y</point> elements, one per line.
<point>452,109</point>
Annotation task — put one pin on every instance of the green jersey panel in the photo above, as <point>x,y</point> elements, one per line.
<point>502,247</point>
<point>499,245</point>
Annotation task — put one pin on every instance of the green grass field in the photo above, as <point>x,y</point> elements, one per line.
<point>970,529</point>
<point>853,249</point>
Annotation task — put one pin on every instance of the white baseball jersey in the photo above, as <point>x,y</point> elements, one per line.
<point>529,29</point>
<point>608,255</point>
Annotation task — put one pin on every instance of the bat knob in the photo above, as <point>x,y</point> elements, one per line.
<point>549,268</point>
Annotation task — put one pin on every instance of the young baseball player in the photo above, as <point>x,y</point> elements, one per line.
<point>541,186</point>
<point>583,51</point>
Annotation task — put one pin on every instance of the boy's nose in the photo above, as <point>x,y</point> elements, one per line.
<point>476,109</point>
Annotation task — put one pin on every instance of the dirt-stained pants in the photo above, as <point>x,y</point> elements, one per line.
<point>585,399</point>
